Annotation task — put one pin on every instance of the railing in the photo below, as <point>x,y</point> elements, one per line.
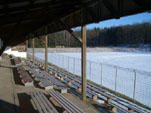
<point>130,82</point>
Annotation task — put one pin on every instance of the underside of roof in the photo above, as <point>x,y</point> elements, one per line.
<point>20,18</point>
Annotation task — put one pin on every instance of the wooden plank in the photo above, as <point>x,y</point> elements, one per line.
<point>66,106</point>
<point>36,103</point>
<point>49,104</point>
<point>66,102</point>
<point>43,103</point>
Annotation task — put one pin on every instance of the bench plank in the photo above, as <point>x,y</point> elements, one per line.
<point>42,104</point>
<point>65,103</point>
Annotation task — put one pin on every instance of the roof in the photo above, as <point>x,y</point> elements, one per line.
<point>19,18</point>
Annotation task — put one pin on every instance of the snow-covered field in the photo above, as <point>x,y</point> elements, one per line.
<point>140,61</point>
<point>124,72</point>
<point>15,53</point>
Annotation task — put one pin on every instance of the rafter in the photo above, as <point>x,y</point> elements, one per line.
<point>111,9</point>
<point>13,32</point>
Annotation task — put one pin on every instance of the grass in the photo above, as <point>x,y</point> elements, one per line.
<point>110,90</point>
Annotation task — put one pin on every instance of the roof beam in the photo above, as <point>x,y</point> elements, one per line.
<point>111,9</point>
<point>18,24</point>
<point>12,1</point>
<point>23,8</point>
<point>42,5</point>
<point>69,30</point>
<point>141,3</point>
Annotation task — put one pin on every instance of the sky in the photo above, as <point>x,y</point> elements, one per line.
<point>138,18</point>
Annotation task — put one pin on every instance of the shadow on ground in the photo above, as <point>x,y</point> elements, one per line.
<point>25,103</point>
<point>16,77</point>
<point>6,107</point>
<point>101,108</point>
<point>36,84</point>
<point>27,107</point>
<point>12,61</point>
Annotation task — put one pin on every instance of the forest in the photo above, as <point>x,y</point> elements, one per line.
<point>126,35</point>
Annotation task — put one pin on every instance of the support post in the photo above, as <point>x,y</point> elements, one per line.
<point>134,85</point>
<point>46,53</point>
<point>33,44</point>
<point>26,49</point>
<point>83,62</point>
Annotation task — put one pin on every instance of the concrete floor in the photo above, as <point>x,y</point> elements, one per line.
<point>8,97</point>
<point>14,96</point>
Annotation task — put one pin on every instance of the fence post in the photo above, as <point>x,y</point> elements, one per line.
<point>115,77</point>
<point>90,70</point>
<point>60,59</point>
<point>26,49</point>
<point>55,58</point>
<point>134,85</point>
<point>101,73</point>
<point>68,63</point>
<point>73,65</point>
<point>63,61</point>
<point>52,58</point>
<point>33,46</point>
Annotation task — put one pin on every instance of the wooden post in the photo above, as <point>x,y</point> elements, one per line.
<point>83,62</point>
<point>26,49</point>
<point>33,44</point>
<point>46,53</point>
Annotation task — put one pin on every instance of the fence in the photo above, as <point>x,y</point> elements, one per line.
<point>132,83</point>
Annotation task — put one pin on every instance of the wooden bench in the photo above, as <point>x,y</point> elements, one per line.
<point>53,72</point>
<point>32,65</point>
<point>56,82</point>
<point>17,62</point>
<point>96,90</point>
<point>43,82</point>
<point>65,74</point>
<point>41,103</point>
<point>113,107</point>
<point>21,59</point>
<point>40,63</point>
<point>76,84</point>
<point>65,103</point>
<point>23,74</point>
<point>134,109</point>
<point>92,90</point>
<point>67,80</point>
